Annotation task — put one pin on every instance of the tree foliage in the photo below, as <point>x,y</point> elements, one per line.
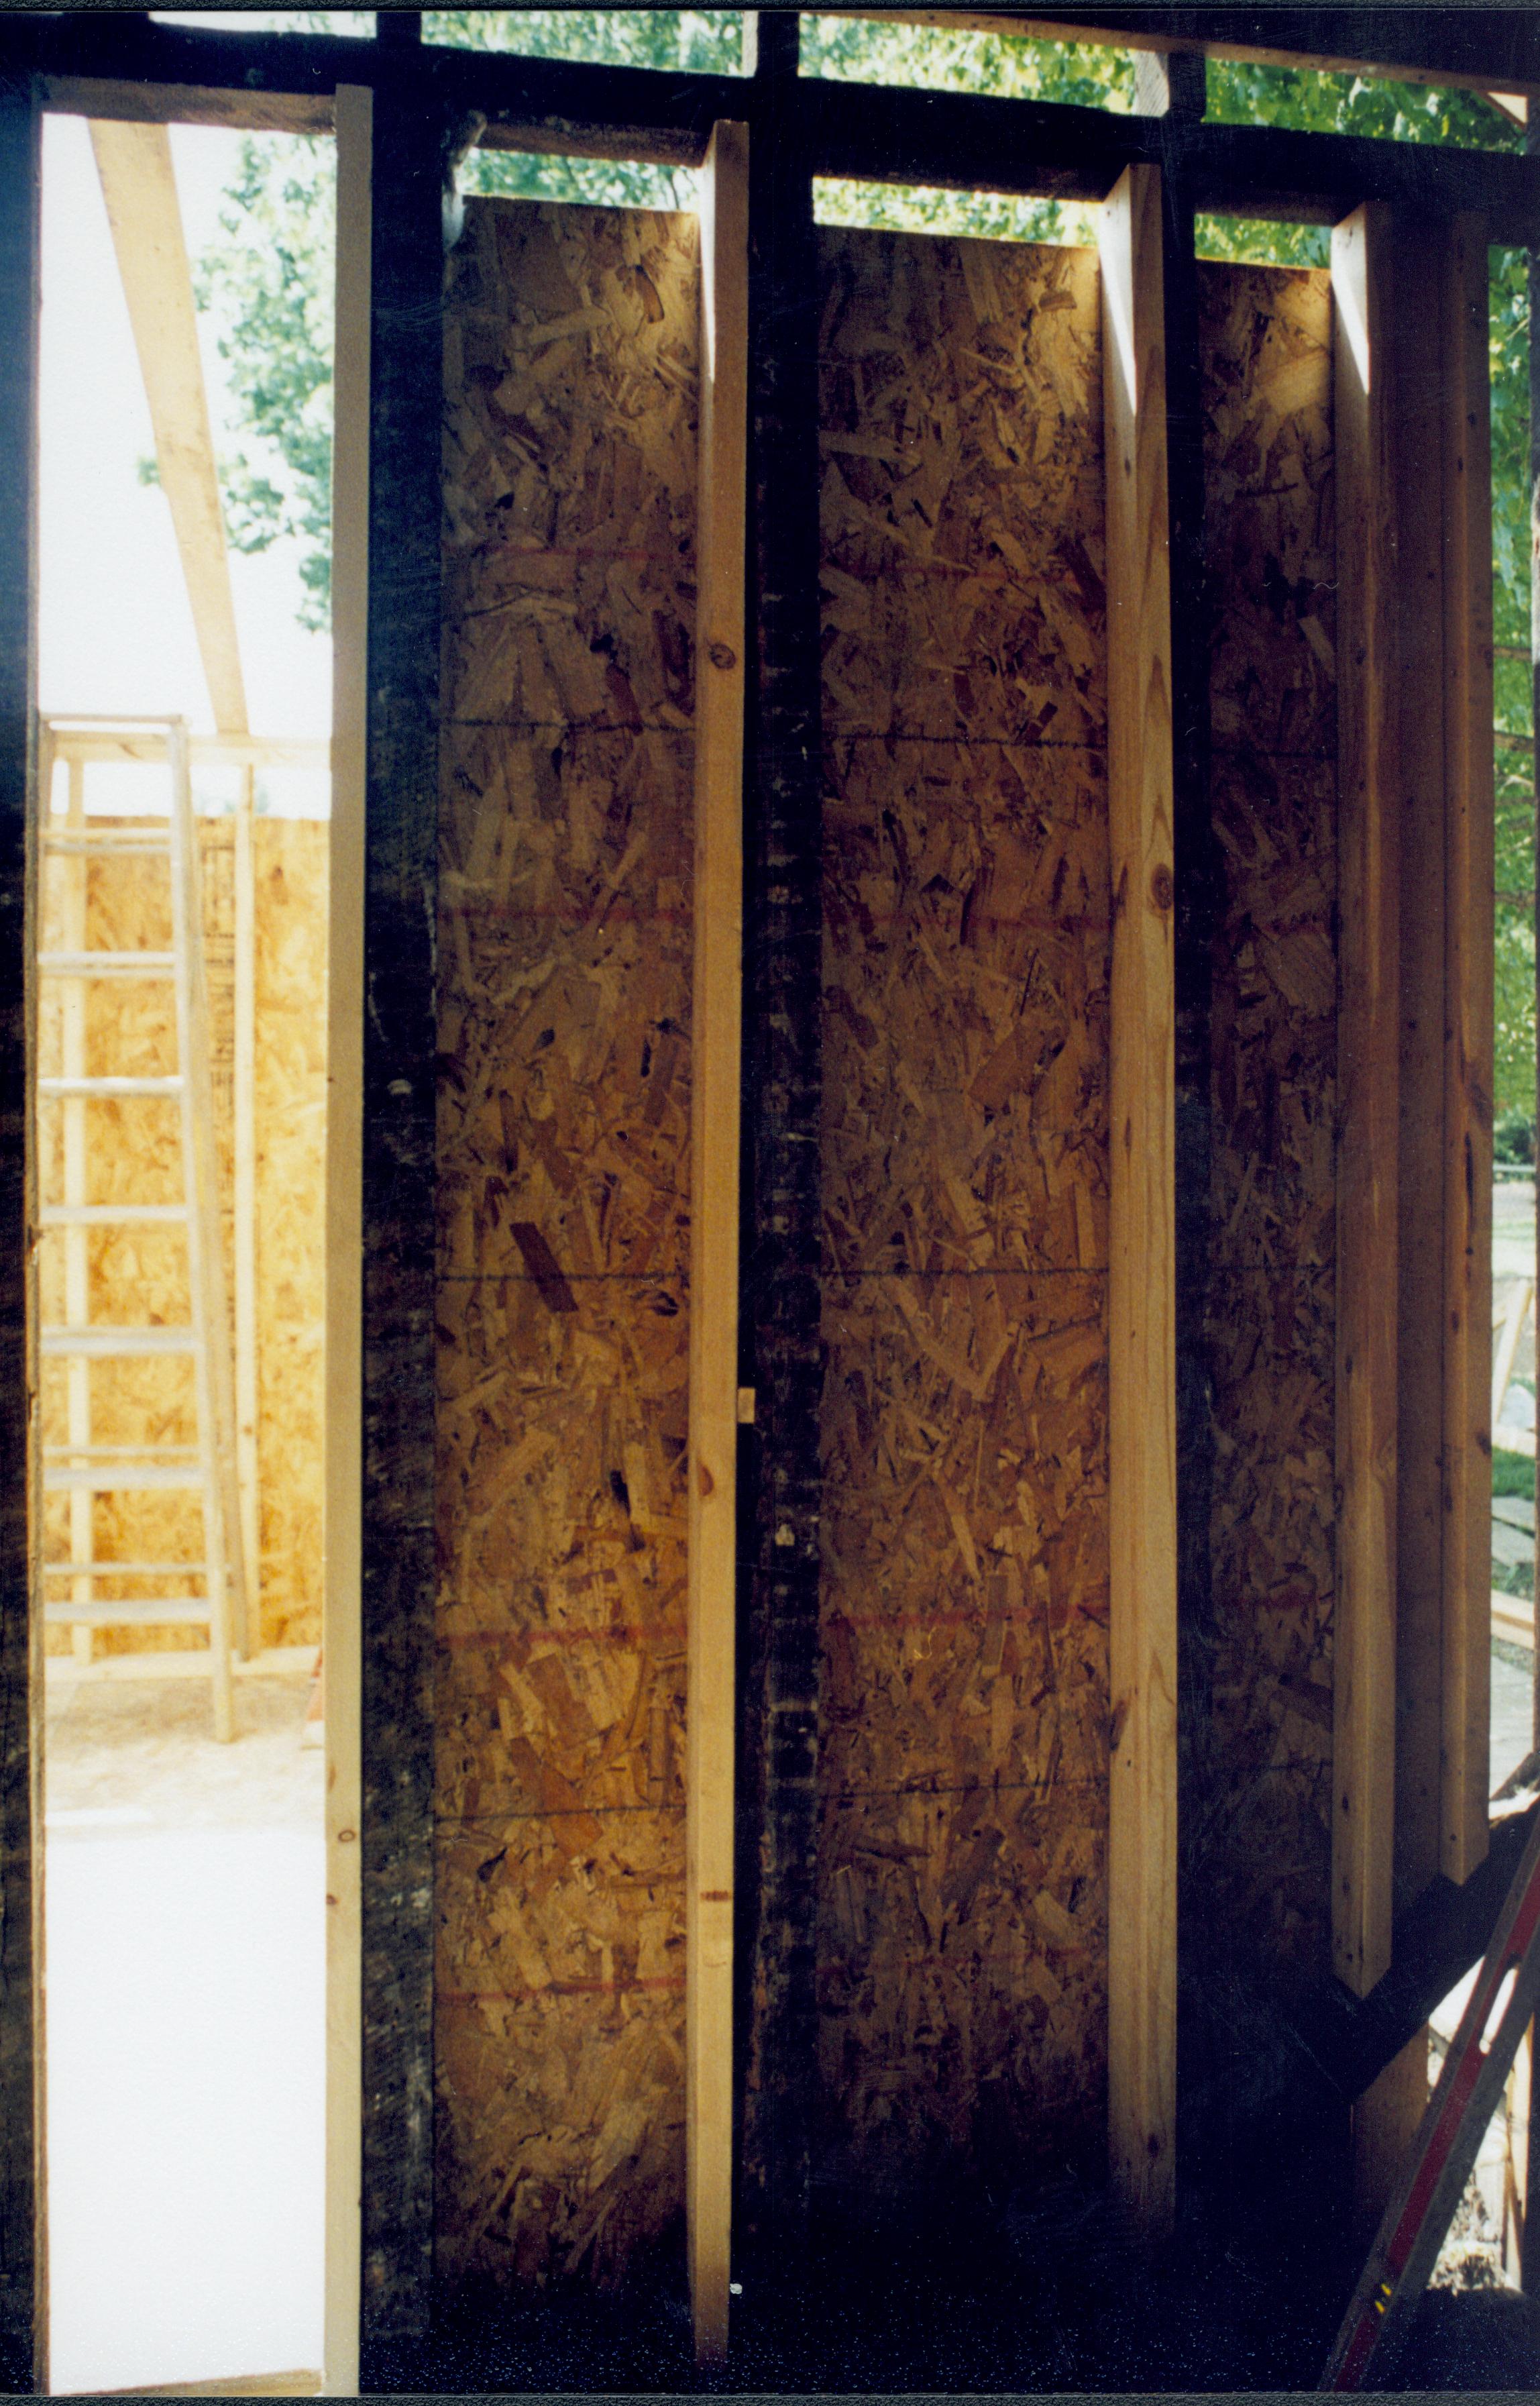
<point>269,284</point>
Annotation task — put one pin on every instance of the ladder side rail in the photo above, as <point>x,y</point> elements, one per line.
<point>1405,2249</point>
<point>205,1247</point>
<point>74,1063</point>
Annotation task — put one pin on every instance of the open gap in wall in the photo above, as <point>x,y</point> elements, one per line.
<point>587,183</point>
<point>943,58</point>
<point>689,41</point>
<point>356,22</point>
<point>928,208</point>
<point>1315,99</point>
<point>185,706</point>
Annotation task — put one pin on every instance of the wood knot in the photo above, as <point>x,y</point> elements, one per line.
<point>704,1481</point>
<point>1163,893</point>
<point>722,656</point>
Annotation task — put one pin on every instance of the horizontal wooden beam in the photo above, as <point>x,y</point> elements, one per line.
<point>963,140</point>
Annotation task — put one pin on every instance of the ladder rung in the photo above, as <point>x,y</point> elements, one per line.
<point>125,1570</point>
<point>110,1614</point>
<point>125,840</point>
<point>56,1087</point>
<point>107,965</point>
<point>103,1479</point>
<point>110,1215</point>
<point>111,1344</point>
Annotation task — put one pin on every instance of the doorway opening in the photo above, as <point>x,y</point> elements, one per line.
<point>185,703</point>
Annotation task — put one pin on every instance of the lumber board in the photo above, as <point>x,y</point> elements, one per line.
<point>1468,1068</point>
<point>23,2321</point>
<point>1141,1281</point>
<point>1364,1687</point>
<point>139,185</point>
<point>342,1442</point>
<point>716,1002</point>
<point>244,1281</point>
<point>397,1561</point>
<point>781,1513</point>
<point>1416,498</point>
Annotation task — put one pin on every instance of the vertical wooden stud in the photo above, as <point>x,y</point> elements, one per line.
<point>74,1004</point>
<point>244,1114</point>
<point>343,1470</point>
<point>1141,1303</point>
<point>1363,1739</point>
<point>716,1022</point>
<point>783,1107</point>
<point>1413,500</point>
<point>400,1034</point>
<point>1470,878</point>
<point>24,2317</point>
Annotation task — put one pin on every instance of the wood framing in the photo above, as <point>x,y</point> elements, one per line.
<point>1363,1707</point>
<point>23,2312</point>
<point>340,1631</point>
<point>783,1096</point>
<point>1141,1301</point>
<point>139,185</point>
<point>716,1025</point>
<point>397,1566</point>
<point>1469,880</point>
<point>243,1135</point>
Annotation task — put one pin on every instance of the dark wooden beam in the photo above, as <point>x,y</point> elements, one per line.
<point>399,1045</point>
<point>782,1099</point>
<point>20,2329</point>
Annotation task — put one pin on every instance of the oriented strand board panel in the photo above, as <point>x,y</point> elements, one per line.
<point>1266,335</point>
<point>138,1275</point>
<point>564,948</point>
<point>962,1950</point>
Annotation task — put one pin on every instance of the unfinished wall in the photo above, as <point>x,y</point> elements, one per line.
<point>962,1877</point>
<point>138,1275</point>
<point>1266,1837</point>
<point>564,969</point>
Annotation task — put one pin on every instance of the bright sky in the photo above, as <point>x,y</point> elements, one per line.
<point>115,629</point>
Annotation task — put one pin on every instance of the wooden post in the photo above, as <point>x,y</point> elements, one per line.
<point>1141,1303</point>
<point>244,1113</point>
<point>1470,878</point>
<point>1363,1743</point>
<point>23,2302</point>
<point>397,1565</point>
<point>783,1098</point>
<point>342,1467</point>
<point>716,1021</point>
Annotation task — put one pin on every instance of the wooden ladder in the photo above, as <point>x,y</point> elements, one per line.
<point>80,1468</point>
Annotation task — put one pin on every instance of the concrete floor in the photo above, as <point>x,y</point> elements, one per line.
<point>186,2035</point>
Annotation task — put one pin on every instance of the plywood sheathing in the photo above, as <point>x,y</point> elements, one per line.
<point>138,1275</point>
<point>1264,1838</point>
<point>962,1933</point>
<point>564,976</point>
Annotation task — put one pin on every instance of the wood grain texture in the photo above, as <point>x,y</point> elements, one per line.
<point>1142,1287</point>
<point>397,1569</point>
<point>1468,1070</point>
<point>22,2296</point>
<point>564,1238</point>
<point>962,1932</point>
<point>780,1512</point>
<point>1264,1841</point>
<point>716,1070</point>
<point>1363,1677</point>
